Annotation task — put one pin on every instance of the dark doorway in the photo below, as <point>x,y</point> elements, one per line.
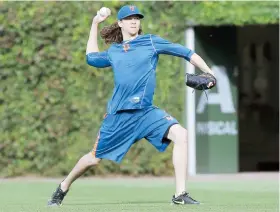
<point>258,65</point>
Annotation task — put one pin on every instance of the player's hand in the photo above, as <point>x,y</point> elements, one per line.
<point>203,81</point>
<point>212,73</point>
<point>102,15</point>
<point>211,84</point>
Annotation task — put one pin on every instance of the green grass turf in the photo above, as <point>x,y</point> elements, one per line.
<point>140,195</point>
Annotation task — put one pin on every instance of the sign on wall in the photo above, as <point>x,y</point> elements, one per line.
<point>216,111</point>
<point>222,98</point>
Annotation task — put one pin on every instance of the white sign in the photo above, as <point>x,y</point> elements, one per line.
<point>216,128</point>
<point>222,98</point>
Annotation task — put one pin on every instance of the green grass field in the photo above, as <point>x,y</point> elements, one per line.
<point>142,195</point>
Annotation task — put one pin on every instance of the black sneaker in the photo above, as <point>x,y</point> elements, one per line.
<point>183,199</point>
<point>57,197</point>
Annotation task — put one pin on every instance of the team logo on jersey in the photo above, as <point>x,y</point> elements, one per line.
<point>126,47</point>
<point>132,8</point>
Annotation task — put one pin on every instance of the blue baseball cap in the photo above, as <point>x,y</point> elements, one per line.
<point>129,10</point>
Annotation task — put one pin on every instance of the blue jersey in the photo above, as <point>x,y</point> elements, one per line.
<point>134,66</point>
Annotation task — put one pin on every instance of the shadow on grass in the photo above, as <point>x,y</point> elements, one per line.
<point>120,203</point>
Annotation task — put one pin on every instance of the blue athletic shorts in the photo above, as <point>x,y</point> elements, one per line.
<point>119,131</point>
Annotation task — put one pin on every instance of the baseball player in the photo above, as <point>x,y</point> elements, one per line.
<point>131,115</point>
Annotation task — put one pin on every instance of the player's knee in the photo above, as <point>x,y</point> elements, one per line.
<point>178,134</point>
<point>92,160</point>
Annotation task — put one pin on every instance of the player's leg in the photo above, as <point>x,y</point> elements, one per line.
<point>159,128</point>
<point>85,162</point>
<point>79,169</point>
<point>178,135</point>
<point>114,140</point>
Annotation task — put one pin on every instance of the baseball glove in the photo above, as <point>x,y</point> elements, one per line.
<point>202,81</point>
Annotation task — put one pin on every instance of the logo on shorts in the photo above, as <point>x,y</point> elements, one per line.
<point>136,99</point>
<point>169,118</point>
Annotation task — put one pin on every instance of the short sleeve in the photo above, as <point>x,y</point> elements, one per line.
<point>163,46</point>
<point>98,59</point>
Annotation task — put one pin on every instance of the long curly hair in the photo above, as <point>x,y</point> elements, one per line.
<point>113,33</point>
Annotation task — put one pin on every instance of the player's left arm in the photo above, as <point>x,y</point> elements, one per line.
<point>197,61</point>
<point>162,46</point>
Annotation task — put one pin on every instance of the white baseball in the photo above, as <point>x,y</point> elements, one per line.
<point>104,11</point>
